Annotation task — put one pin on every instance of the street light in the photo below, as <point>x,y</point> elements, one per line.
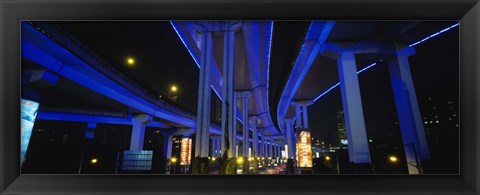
<point>94,161</point>
<point>327,157</point>
<point>130,61</point>
<point>393,159</point>
<point>172,91</point>
<point>240,160</point>
<point>173,160</point>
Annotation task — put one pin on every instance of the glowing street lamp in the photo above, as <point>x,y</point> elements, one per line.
<point>393,159</point>
<point>173,88</point>
<point>130,61</point>
<point>173,160</point>
<point>172,93</point>
<point>240,160</point>
<point>327,157</point>
<point>94,160</point>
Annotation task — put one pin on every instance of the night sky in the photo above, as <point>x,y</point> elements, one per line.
<point>162,61</point>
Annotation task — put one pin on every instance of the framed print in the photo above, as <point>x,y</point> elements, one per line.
<point>296,97</point>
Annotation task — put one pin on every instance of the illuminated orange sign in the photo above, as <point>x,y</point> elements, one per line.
<point>185,151</point>
<point>304,149</point>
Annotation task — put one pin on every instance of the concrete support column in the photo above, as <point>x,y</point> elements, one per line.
<point>254,120</point>
<point>352,105</point>
<point>409,116</point>
<point>204,97</point>
<point>278,152</point>
<point>229,104</point>
<point>289,133</point>
<point>270,148</point>
<point>204,100</point>
<point>301,113</point>
<point>305,116</point>
<point>263,144</point>
<point>167,149</point>
<point>214,144</point>
<point>218,147</point>
<point>138,131</point>
<point>298,116</point>
<point>243,95</point>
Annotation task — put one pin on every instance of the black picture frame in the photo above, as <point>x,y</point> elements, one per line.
<point>13,11</point>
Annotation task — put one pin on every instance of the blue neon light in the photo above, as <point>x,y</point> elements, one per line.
<point>434,34</point>
<point>185,44</point>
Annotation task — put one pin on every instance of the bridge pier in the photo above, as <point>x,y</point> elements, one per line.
<point>243,96</point>
<point>167,151</point>
<point>254,120</point>
<point>204,99</point>
<point>138,131</point>
<point>409,116</point>
<point>352,104</point>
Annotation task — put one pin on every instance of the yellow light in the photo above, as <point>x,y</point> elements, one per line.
<point>173,88</point>
<point>240,160</point>
<point>130,61</point>
<point>213,159</point>
<point>327,157</point>
<point>173,160</point>
<point>258,158</point>
<point>249,159</point>
<point>393,159</point>
<point>94,161</point>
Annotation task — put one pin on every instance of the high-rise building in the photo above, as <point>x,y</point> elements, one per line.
<point>342,131</point>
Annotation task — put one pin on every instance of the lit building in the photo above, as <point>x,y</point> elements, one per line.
<point>342,131</point>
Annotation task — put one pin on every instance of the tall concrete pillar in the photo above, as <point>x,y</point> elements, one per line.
<point>243,95</point>
<point>212,151</point>
<point>409,116</point>
<point>254,120</point>
<point>204,99</point>
<point>270,148</point>
<point>138,131</point>
<point>262,143</point>
<point>298,116</point>
<point>204,96</point>
<point>218,147</point>
<point>289,133</point>
<point>305,116</point>
<point>167,149</point>
<point>352,105</point>
<point>229,104</point>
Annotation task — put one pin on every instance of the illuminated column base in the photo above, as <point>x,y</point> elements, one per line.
<point>352,105</point>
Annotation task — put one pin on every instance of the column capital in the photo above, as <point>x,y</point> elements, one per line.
<point>142,118</point>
